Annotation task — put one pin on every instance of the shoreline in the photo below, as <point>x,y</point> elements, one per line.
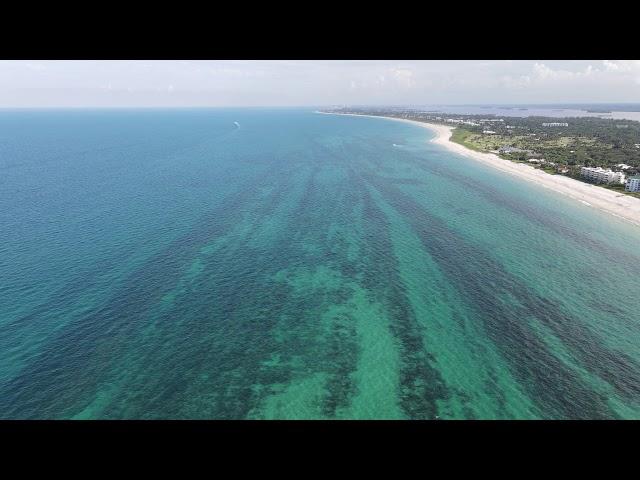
<point>616,204</point>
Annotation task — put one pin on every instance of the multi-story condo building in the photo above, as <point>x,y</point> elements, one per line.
<point>633,184</point>
<point>600,175</point>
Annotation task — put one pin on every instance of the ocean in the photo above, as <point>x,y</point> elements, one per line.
<point>283,264</point>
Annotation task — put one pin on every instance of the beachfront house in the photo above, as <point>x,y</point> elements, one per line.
<point>600,175</point>
<point>509,149</point>
<point>633,184</point>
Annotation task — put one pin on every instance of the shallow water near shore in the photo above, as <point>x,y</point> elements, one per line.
<point>176,264</point>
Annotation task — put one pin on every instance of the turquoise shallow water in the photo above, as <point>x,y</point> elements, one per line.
<point>170,264</point>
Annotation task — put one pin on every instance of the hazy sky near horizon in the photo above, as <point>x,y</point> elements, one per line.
<point>169,83</point>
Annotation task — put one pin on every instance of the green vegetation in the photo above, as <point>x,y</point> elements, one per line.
<point>466,139</point>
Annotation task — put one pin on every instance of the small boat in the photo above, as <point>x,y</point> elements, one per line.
<point>237,124</point>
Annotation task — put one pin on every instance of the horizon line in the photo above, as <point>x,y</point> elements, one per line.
<point>150,107</point>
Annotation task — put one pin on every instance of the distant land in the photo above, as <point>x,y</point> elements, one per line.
<point>628,111</point>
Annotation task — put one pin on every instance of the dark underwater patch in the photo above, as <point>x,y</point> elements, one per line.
<point>551,384</point>
<point>421,385</point>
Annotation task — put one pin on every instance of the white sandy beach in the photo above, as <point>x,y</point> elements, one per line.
<point>617,204</point>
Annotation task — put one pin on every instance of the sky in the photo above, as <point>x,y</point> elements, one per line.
<point>242,83</point>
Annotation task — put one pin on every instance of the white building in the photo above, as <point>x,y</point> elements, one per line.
<point>555,124</point>
<point>600,175</point>
<point>508,149</point>
<point>633,184</point>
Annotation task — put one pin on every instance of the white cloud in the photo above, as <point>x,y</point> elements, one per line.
<point>300,82</point>
<point>404,77</point>
<point>542,72</point>
<point>523,81</point>
<point>38,67</point>
<point>621,65</point>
